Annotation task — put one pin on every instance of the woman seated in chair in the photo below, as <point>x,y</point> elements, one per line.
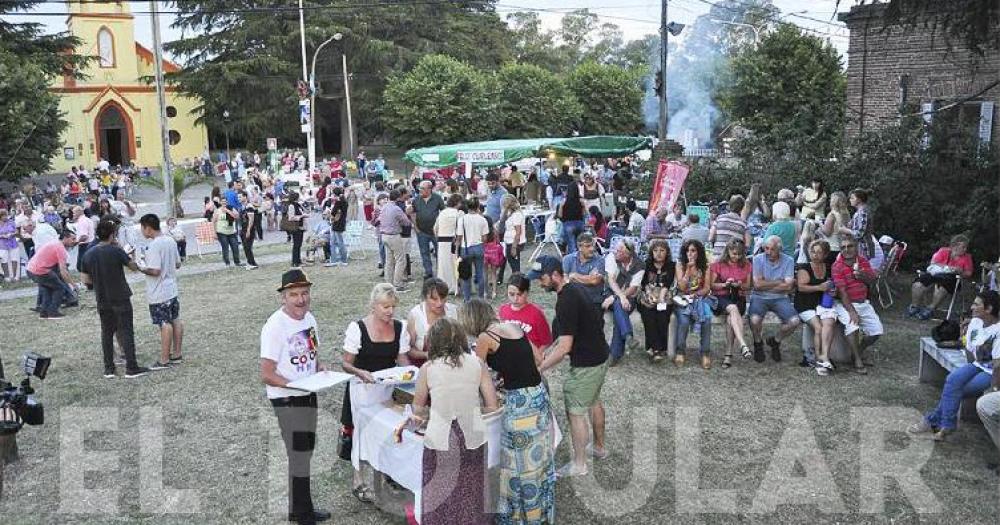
<point>982,342</point>
<point>597,223</point>
<point>947,264</point>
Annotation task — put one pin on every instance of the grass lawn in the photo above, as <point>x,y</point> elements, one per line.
<point>745,426</point>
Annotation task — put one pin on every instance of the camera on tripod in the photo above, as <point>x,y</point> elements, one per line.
<point>18,406</point>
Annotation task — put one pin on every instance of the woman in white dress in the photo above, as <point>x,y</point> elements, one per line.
<point>444,230</point>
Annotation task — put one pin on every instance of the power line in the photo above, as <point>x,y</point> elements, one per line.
<point>777,20</point>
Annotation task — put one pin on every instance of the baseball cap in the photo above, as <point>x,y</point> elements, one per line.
<point>293,279</point>
<point>544,265</point>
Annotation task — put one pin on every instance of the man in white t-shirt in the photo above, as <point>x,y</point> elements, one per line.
<point>289,350</point>
<point>160,267</point>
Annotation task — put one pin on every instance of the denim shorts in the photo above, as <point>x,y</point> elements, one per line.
<point>781,306</point>
<point>166,312</point>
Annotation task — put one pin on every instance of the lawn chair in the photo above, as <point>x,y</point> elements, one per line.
<point>354,239</point>
<point>883,284</point>
<point>204,234</point>
<point>550,237</point>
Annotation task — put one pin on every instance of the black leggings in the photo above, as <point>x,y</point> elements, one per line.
<point>656,324</point>
<point>297,247</point>
<point>248,249</point>
<point>513,262</point>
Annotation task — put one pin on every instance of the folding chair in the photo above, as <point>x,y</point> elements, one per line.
<point>550,237</point>
<point>883,285</point>
<point>204,234</point>
<point>354,239</point>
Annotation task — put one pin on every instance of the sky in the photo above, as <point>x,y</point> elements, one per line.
<point>636,18</point>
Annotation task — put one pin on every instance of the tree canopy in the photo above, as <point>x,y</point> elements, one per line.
<point>535,102</point>
<point>30,120</point>
<point>611,97</point>
<point>788,87</point>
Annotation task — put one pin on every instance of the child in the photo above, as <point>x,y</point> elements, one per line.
<point>493,258</point>
<point>179,236</point>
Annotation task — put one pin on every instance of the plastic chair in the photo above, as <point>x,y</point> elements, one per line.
<point>204,234</point>
<point>550,237</point>
<point>354,239</point>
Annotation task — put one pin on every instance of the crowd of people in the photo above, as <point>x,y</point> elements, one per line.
<point>808,266</point>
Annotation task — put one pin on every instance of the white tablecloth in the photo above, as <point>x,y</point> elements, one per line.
<point>373,441</point>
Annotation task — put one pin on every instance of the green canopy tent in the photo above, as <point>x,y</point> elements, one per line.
<point>498,152</point>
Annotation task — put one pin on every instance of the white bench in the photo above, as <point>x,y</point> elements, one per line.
<point>935,363</point>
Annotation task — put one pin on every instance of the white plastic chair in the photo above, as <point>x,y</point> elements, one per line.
<point>354,239</point>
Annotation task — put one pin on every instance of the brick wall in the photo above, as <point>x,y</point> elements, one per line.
<point>935,71</point>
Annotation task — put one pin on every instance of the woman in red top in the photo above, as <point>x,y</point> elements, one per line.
<point>522,311</point>
<point>732,282</point>
<point>947,264</point>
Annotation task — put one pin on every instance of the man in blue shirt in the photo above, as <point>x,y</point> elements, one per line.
<point>233,195</point>
<point>773,282</point>
<point>494,197</point>
<point>584,267</point>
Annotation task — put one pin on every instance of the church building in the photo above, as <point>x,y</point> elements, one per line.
<point>112,113</point>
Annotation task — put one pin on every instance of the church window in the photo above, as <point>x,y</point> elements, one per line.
<point>105,48</point>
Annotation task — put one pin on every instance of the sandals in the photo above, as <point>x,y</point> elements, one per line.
<point>363,494</point>
<point>727,361</point>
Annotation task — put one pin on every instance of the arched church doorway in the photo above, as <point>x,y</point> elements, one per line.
<point>114,135</point>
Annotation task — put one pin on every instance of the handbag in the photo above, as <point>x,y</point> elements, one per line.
<point>464,264</point>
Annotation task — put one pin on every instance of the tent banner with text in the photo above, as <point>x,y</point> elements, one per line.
<point>670,177</point>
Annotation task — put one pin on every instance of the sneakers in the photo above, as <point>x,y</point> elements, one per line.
<point>251,267</point>
<point>922,427</point>
<point>597,454</point>
<point>109,373</point>
<point>330,264</point>
<point>758,352</point>
<point>51,316</point>
<point>912,310</point>
<point>402,289</point>
<point>570,470</point>
<point>159,366</point>
<point>136,372</point>
<point>924,314</point>
<point>823,368</point>
<point>775,349</point>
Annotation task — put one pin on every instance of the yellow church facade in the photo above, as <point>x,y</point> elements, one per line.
<point>112,113</point>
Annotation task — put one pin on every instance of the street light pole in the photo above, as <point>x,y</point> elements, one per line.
<point>312,101</point>
<point>167,171</point>
<point>305,79</point>
<point>756,30</point>
<point>663,71</point>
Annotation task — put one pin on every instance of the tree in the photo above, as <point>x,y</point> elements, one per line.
<point>532,45</point>
<point>611,97</point>
<point>245,57</point>
<point>441,101</point>
<point>30,120</point>
<point>535,102</point>
<point>790,87</point>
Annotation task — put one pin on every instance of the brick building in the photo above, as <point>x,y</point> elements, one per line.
<point>896,70</point>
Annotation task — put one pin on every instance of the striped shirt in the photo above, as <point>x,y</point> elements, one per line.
<point>728,226</point>
<point>843,278</point>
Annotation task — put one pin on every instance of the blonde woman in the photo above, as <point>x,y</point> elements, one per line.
<point>514,237</point>
<point>836,220</point>
<point>375,342</point>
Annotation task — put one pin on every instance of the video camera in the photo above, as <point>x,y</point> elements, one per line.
<point>18,406</point>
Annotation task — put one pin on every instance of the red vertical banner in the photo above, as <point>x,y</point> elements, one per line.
<point>670,178</point>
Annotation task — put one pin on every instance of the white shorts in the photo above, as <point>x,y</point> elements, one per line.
<point>870,324</point>
<point>819,311</point>
<point>12,255</point>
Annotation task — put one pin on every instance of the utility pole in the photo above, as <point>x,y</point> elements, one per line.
<point>168,169</point>
<point>347,100</point>
<point>663,71</point>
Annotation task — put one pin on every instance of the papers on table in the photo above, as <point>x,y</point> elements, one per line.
<point>320,381</point>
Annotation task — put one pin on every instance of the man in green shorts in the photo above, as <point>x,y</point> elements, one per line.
<point>580,330</point>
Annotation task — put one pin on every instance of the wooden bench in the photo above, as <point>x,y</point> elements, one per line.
<point>934,365</point>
